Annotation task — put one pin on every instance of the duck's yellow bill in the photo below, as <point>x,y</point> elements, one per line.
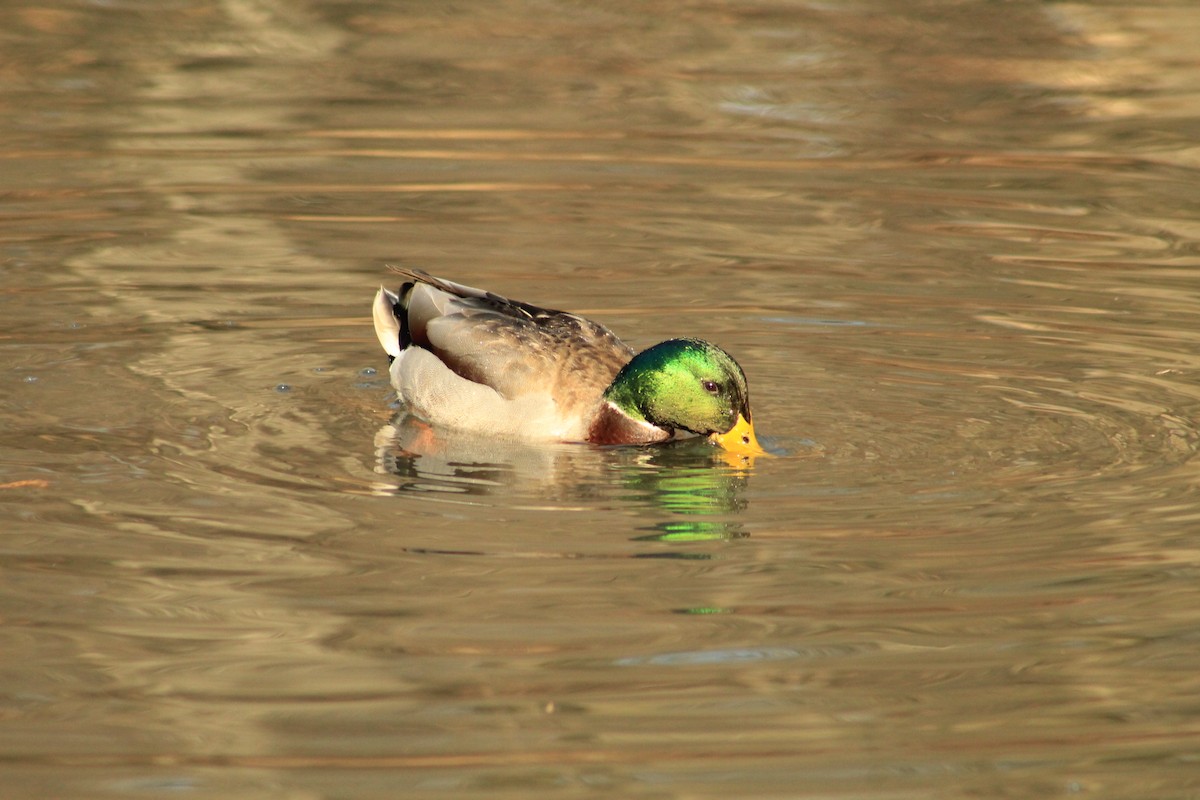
<point>740,439</point>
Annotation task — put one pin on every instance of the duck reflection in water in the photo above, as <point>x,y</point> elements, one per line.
<point>688,490</point>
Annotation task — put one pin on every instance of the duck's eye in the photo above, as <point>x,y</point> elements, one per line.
<point>712,387</point>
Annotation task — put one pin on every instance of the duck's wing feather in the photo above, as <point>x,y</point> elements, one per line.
<point>515,348</point>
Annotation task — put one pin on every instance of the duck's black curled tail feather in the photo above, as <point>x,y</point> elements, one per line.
<point>400,310</point>
<point>392,324</point>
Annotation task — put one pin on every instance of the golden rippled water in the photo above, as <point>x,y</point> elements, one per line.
<point>953,245</point>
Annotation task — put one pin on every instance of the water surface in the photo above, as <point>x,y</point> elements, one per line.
<point>954,247</point>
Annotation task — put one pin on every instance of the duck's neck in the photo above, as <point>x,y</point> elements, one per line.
<point>611,425</point>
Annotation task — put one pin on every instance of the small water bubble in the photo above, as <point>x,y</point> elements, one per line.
<point>368,371</point>
<point>283,387</point>
<point>321,369</point>
<point>30,379</point>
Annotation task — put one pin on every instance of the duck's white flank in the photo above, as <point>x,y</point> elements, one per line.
<point>432,391</point>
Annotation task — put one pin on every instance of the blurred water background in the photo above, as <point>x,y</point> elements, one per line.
<point>953,244</point>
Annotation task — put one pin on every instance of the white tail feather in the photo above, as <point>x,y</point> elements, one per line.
<point>387,327</point>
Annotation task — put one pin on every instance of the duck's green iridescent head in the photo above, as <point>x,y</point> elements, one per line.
<point>688,384</point>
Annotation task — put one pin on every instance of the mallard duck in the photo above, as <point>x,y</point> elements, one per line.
<point>473,360</point>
